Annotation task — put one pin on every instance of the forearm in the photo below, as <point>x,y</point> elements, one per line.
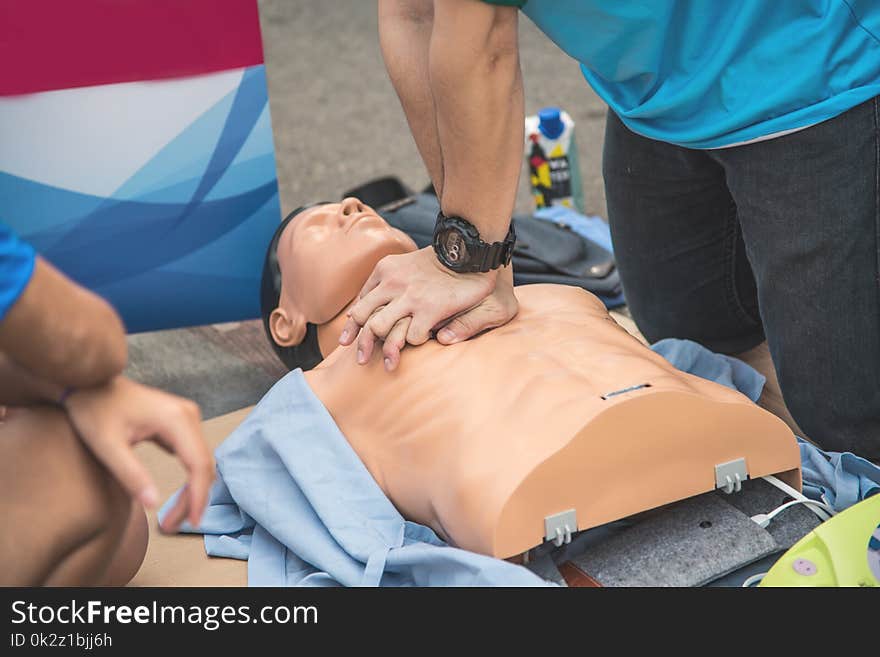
<point>476,85</point>
<point>19,387</point>
<point>62,333</point>
<point>405,35</point>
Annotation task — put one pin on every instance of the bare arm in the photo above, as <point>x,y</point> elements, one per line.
<point>476,83</point>
<point>61,333</point>
<point>405,37</point>
<point>18,387</point>
<point>455,67</point>
<point>466,115</point>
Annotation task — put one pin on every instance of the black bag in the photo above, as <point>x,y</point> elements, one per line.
<point>544,252</point>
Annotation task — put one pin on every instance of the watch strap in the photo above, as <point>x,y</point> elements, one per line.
<point>498,254</point>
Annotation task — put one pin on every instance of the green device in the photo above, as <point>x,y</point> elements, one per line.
<point>842,551</point>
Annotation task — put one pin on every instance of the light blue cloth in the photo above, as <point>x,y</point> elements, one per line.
<point>694,358</point>
<point>710,73</point>
<point>843,478</point>
<point>293,499</point>
<point>592,228</point>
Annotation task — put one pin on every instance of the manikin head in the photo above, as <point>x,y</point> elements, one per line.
<point>317,262</point>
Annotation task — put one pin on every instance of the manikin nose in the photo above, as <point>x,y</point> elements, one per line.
<point>350,206</point>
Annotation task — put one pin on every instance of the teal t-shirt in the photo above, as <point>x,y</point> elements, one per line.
<point>711,73</point>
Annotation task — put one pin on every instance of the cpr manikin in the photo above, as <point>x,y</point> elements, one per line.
<point>558,414</point>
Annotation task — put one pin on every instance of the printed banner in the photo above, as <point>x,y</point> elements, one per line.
<point>141,161</point>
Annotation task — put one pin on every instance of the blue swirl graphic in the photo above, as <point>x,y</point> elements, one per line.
<point>182,241</point>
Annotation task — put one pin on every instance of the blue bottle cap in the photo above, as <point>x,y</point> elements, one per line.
<point>551,122</point>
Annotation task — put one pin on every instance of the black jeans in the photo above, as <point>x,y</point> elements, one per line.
<point>778,238</point>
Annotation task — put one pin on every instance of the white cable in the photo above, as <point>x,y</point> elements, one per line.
<point>796,494</point>
<point>763,519</point>
<point>754,579</point>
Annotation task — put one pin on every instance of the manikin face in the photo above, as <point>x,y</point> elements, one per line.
<point>326,254</point>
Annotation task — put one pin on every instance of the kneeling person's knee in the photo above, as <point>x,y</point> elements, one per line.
<point>67,514</point>
<point>839,421</point>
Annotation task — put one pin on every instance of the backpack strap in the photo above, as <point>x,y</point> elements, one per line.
<point>380,192</point>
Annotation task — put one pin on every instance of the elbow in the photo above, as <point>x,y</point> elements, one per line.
<point>99,357</point>
<point>115,358</point>
<point>501,44</point>
<point>110,355</point>
<point>407,14</point>
<point>487,48</point>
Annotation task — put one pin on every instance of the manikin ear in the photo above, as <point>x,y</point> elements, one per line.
<point>287,329</point>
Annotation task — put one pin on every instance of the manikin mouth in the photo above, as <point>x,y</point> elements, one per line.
<point>357,218</point>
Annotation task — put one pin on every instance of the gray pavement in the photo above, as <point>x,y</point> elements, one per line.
<point>338,122</point>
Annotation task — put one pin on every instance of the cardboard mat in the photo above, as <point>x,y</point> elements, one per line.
<point>180,559</point>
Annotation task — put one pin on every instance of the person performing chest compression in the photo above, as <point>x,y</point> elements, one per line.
<point>741,177</point>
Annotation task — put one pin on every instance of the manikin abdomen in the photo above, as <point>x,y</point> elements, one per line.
<point>560,409</point>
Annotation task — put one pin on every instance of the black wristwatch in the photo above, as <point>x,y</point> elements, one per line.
<point>458,246</point>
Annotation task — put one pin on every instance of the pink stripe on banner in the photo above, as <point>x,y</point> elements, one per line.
<point>60,44</point>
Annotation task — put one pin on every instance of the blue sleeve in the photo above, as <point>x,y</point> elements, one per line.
<point>16,266</point>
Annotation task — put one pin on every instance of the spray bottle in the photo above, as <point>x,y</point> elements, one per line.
<point>551,154</point>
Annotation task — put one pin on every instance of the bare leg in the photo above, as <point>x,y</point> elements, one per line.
<point>771,397</point>
<point>132,548</point>
<point>65,515</point>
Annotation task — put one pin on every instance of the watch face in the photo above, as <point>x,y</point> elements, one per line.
<point>454,247</point>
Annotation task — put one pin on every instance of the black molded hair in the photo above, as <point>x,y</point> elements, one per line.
<point>307,353</point>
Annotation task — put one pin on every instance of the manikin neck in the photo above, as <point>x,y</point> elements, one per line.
<point>329,332</point>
